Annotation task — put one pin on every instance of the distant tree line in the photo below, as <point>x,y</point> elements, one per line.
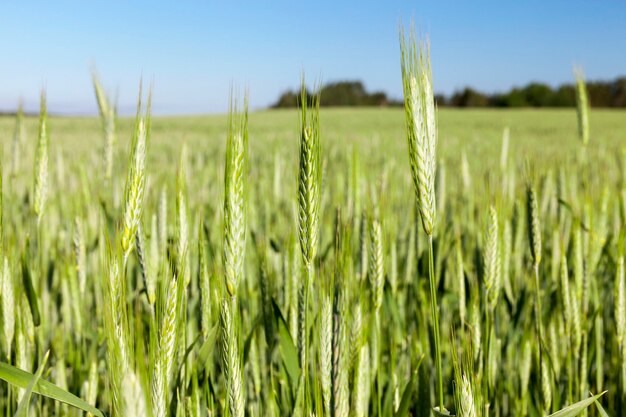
<point>342,93</point>
<point>601,94</point>
<point>353,93</point>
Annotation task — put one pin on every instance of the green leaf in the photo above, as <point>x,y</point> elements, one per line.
<point>423,393</point>
<point>22,408</point>
<point>22,379</point>
<point>577,408</point>
<point>407,396</point>
<point>601,410</point>
<point>287,348</point>
<point>298,406</point>
<point>207,348</point>
<point>31,295</point>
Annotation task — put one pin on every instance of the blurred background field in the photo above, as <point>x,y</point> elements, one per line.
<point>546,136</point>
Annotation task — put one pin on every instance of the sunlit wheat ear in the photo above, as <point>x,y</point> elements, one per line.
<point>134,396</point>
<point>582,107</point>
<point>361,384</point>
<point>340,403</point>
<point>376,272</point>
<point>234,196</point>
<point>356,334</point>
<point>168,340</point>
<point>620,302</point>
<point>166,348</point>
<point>40,188</point>
<point>7,300</point>
<point>467,399</point>
<point>326,338</point>
<point>464,385</point>
<point>309,178</point>
<point>230,359</point>
<point>108,116</point>
<point>491,259</point>
<point>475,320</point>
<point>116,330</point>
<point>309,189</point>
<point>421,129</point>
<point>135,179</point>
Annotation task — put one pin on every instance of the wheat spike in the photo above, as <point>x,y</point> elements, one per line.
<point>376,273</point>
<point>41,162</point>
<point>116,325</point>
<point>135,180</point>
<point>361,383</point>
<point>230,357</point>
<point>492,259</point>
<point>309,179</point>
<point>326,348</point>
<point>108,115</point>
<point>234,197</point>
<point>340,404</point>
<point>134,396</point>
<point>421,126</point>
<point>166,350</point>
<point>467,407</point>
<point>7,299</point>
<point>582,107</point>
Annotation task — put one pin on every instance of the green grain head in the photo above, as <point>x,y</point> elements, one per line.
<point>309,177</point>
<point>582,107</point>
<point>40,187</point>
<point>135,179</point>
<point>421,129</point>
<point>234,197</point>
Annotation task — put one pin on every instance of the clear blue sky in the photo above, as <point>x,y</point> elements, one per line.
<point>194,50</point>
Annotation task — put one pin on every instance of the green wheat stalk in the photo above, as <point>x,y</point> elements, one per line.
<point>421,133</point>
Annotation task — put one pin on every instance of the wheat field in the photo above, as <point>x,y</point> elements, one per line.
<point>333,262</point>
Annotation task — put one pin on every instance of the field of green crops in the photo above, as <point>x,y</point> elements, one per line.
<point>288,263</point>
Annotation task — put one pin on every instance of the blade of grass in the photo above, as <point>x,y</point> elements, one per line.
<point>22,379</point>
<point>577,408</point>
<point>22,408</point>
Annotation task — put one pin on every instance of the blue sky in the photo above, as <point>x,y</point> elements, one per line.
<point>193,51</point>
